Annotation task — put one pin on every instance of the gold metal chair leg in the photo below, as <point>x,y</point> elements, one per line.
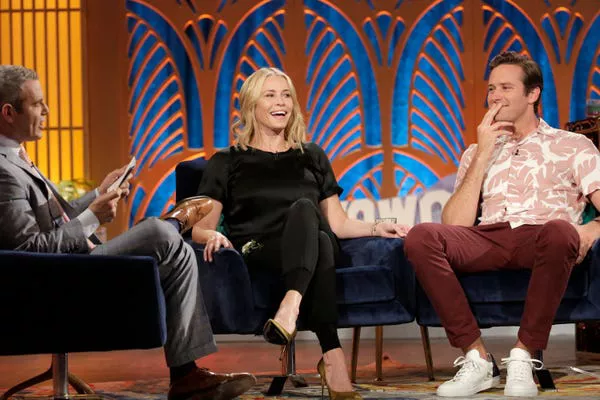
<point>58,373</point>
<point>288,370</point>
<point>45,376</point>
<point>379,353</point>
<point>79,385</point>
<point>355,346</point>
<point>427,350</point>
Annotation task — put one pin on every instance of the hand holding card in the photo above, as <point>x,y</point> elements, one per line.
<point>128,171</point>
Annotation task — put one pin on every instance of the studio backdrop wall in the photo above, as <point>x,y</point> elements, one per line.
<point>392,90</point>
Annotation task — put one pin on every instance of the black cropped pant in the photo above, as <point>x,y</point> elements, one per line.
<point>305,255</point>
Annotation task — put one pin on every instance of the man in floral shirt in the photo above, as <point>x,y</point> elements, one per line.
<point>531,183</point>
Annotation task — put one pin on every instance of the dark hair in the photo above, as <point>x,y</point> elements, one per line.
<point>12,78</point>
<point>532,74</point>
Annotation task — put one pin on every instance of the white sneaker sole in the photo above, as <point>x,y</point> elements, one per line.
<point>521,392</point>
<point>485,385</point>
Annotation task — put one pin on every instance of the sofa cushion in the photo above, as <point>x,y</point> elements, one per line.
<point>365,284</point>
<point>355,285</point>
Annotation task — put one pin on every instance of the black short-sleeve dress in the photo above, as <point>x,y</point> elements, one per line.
<point>257,187</point>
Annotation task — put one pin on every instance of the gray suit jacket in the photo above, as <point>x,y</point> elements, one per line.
<point>27,222</point>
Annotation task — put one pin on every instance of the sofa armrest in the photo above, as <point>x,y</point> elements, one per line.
<point>227,291</point>
<point>58,303</point>
<point>593,258</point>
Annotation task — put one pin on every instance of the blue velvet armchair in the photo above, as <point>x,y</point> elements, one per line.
<point>63,303</point>
<point>375,283</point>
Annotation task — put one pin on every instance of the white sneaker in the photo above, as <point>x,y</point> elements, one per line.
<point>519,373</point>
<point>475,375</point>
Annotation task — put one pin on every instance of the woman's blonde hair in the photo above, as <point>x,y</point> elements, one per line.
<point>245,128</point>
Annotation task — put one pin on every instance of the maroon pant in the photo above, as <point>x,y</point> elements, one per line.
<point>437,252</point>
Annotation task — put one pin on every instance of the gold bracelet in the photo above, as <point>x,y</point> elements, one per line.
<point>380,220</point>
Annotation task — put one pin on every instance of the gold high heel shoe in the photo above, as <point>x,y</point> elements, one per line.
<point>332,394</point>
<point>274,333</point>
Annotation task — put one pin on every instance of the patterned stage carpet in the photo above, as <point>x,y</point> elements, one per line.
<point>401,382</point>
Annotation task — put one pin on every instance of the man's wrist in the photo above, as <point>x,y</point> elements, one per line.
<point>89,222</point>
<point>483,153</point>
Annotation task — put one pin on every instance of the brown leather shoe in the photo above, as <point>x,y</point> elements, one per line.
<point>202,384</point>
<point>189,211</point>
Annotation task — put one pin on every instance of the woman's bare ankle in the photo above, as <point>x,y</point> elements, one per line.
<point>287,317</point>
<point>288,311</point>
<point>336,371</point>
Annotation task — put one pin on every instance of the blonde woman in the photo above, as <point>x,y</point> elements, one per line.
<point>280,202</point>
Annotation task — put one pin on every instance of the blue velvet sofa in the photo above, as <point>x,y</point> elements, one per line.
<point>375,283</point>
<point>63,303</point>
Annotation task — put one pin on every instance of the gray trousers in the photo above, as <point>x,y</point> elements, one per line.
<point>189,334</point>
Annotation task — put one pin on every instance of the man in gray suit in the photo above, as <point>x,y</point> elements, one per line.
<point>34,217</point>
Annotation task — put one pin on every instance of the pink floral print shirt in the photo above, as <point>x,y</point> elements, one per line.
<point>547,175</point>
